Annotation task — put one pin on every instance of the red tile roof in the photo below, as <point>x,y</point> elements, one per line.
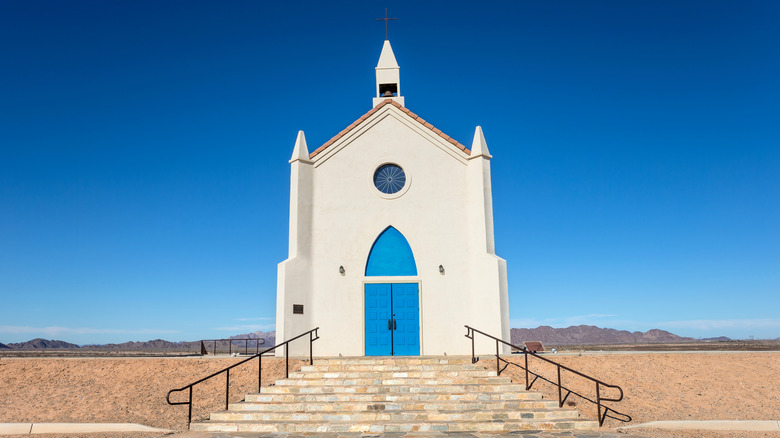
<point>377,108</point>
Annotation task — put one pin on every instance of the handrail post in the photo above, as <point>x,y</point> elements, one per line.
<point>230,347</point>
<point>560,399</point>
<point>498,370</point>
<point>287,361</point>
<point>189,415</point>
<point>311,355</point>
<point>598,405</point>
<point>473,358</point>
<point>246,346</point>
<point>227,388</point>
<point>215,347</point>
<point>259,372</point>
<point>525,354</point>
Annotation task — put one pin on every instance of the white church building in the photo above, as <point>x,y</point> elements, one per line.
<point>391,248</point>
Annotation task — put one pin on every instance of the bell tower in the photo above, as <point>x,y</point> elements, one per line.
<point>388,77</point>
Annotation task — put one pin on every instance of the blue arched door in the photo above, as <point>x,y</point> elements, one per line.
<point>392,310</point>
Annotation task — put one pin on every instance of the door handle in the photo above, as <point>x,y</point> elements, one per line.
<point>394,326</point>
<point>389,324</point>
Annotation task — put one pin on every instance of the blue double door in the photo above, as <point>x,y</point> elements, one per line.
<point>392,319</point>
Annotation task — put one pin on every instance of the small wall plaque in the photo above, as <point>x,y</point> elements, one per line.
<point>298,308</point>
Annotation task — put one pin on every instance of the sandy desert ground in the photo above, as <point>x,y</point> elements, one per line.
<point>658,386</point>
<point>669,386</point>
<point>116,390</point>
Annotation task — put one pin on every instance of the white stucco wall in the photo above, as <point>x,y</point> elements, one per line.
<point>336,214</point>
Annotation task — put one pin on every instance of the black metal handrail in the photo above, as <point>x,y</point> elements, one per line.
<point>561,399</point>
<point>313,336</point>
<point>258,343</point>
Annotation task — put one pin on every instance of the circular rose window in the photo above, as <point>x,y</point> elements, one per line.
<point>389,179</point>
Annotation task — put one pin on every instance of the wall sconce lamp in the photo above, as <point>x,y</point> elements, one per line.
<point>341,270</point>
<point>441,269</point>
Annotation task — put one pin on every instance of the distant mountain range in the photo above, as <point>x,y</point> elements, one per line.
<point>575,335</point>
<point>153,345</point>
<point>589,334</point>
<point>42,344</point>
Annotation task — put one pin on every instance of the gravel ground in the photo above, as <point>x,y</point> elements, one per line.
<point>658,386</point>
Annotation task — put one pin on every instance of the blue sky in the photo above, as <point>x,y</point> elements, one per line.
<point>144,180</point>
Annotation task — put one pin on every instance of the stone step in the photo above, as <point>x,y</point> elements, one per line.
<point>385,389</point>
<point>441,360</point>
<point>396,416</point>
<point>397,367</point>
<point>390,374</point>
<point>384,405</point>
<point>390,394</point>
<point>394,426</point>
<point>469,396</point>
<point>394,381</point>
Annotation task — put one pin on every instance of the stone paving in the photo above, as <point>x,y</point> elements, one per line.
<point>516,434</point>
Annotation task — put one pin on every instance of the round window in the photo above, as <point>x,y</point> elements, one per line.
<point>389,179</point>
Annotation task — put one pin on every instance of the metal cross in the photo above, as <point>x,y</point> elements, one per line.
<point>385,20</point>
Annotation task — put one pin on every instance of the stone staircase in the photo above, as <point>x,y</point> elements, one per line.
<point>400,394</point>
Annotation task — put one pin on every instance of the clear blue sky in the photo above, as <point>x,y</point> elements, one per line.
<point>144,180</point>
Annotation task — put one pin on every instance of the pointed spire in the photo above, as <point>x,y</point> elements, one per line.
<point>300,151</point>
<point>479,145</point>
<point>387,57</point>
<point>388,77</point>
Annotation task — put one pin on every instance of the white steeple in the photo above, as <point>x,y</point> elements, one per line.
<point>300,151</point>
<point>479,145</point>
<point>388,76</point>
